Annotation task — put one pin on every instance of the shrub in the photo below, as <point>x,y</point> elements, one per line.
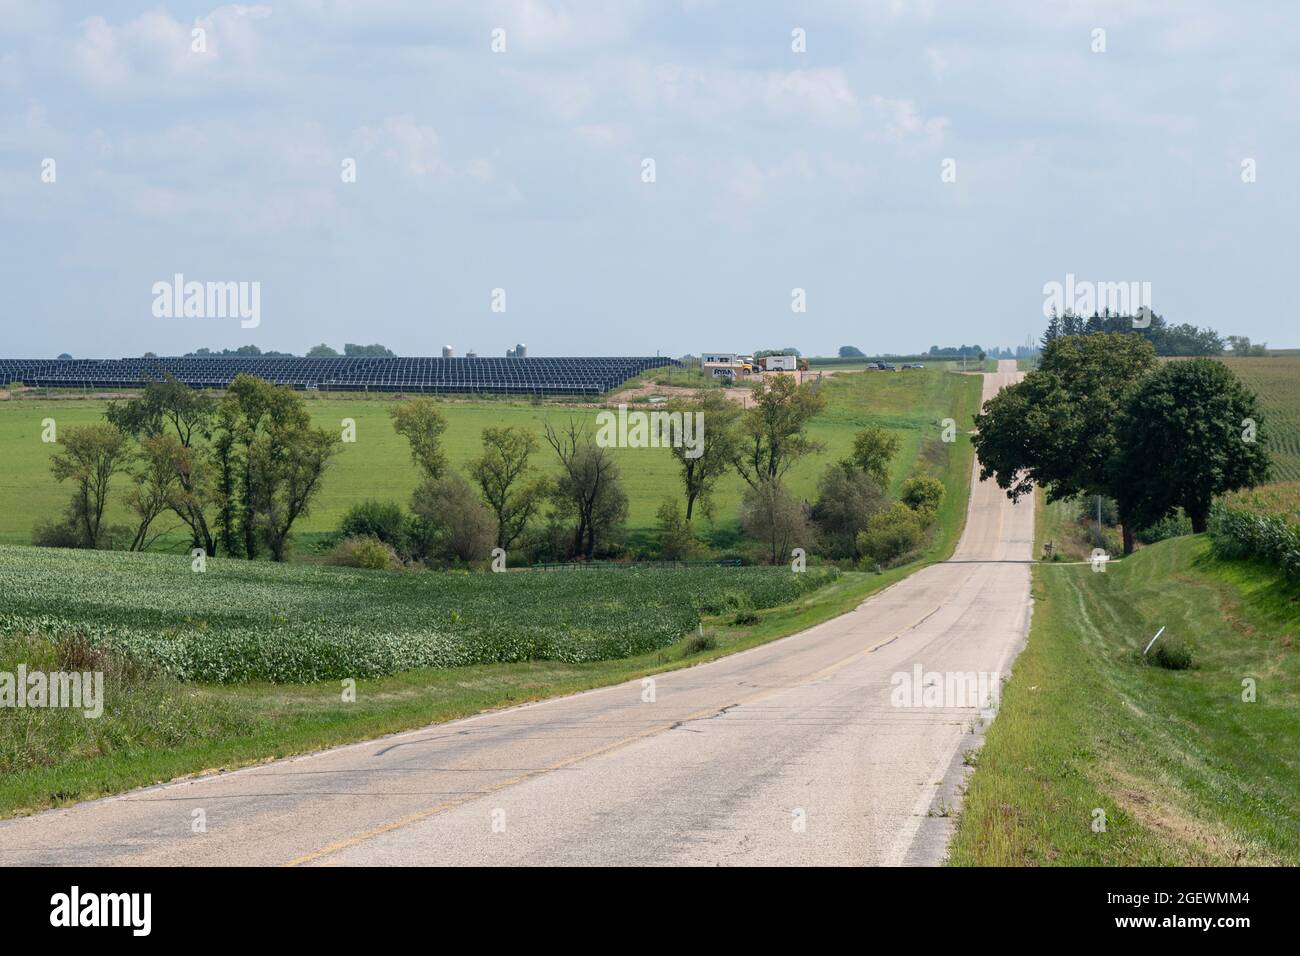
<point>892,534</point>
<point>675,538</point>
<point>1174,526</point>
<point>698,643</point>
<point>453,523</point>
<point>771,515</point>
<point>846,500</point>
<point>923,494</point>
<point>383,520</point>
<point>1171,654</point>
<point>364,551</point>
<point>57,534</point>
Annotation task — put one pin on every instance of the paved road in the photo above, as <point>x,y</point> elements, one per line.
<point>789,753</point>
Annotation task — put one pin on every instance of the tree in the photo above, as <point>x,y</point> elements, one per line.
<point>321,351</point>
<point>188,414</point>
<point>771,435</point>
<point>89,456</point>
<point>1053,328</point>
<point>502,474</point>
<point>851,351</point>
<point>847,498</point>
<point>422,424</point>
<point>700,474</point>
<point>1058,428</point>
<point>873,449</point>
<point>368,351</point>
<point>1191,432</point>
<point>154,487</point>
<point>589,490</point>
<point>773,516</point>
<point>272,459</point>
<point>923,494</point>
<point>453,524</point>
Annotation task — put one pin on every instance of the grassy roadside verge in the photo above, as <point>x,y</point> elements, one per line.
<point>1186,772</point>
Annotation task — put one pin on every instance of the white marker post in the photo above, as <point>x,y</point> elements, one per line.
<point>1152,641</point>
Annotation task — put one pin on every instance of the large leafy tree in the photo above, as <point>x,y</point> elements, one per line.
<point>717,448</point>
<point>873,449</point>
<point>503,475</point>
<point>1190,432</point>
<point>275,460</point>
<point>421,423</point>
<point>772,435</point>
<point>589,489</point>
<point>172,408</point>
<point>1059,427</point>
<point>89,456</point>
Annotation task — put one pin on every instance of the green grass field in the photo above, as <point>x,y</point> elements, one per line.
<point>1185,771</point>
<point>378,465</point>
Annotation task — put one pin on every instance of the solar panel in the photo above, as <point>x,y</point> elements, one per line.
<point>540,376</point>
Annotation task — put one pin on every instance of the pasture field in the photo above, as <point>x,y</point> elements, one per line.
<point>240,621</point>
<point>378,465</point>
<point>1186,770</point>
<point>1277,381</point>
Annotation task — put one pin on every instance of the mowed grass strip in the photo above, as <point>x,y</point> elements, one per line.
<point>1184,770</point>
<point>378,464</point>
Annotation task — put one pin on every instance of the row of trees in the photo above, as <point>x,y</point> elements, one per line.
<point>579,509</point>
<point>1166,339</point>
<point>1101,416</point>
<point>237,473</point>
<point>316,351</point>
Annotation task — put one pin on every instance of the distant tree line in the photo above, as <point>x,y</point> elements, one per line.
<point>316,351</point>
<point>1166,339</point>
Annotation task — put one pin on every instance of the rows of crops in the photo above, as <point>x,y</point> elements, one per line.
<point>1263,524</point>
<point>1276,380</point>
<point>244,621</point>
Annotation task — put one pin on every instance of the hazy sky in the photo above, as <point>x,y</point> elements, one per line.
<point>523,170</point>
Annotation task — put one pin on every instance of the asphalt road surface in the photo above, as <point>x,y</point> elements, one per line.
<point>788,753</point>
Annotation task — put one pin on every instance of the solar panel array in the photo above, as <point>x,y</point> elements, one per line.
<point>553,376</point>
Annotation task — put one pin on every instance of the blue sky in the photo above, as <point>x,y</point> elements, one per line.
<point>522,170</point>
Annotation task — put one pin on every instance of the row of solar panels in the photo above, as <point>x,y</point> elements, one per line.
<point>562,376</point>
